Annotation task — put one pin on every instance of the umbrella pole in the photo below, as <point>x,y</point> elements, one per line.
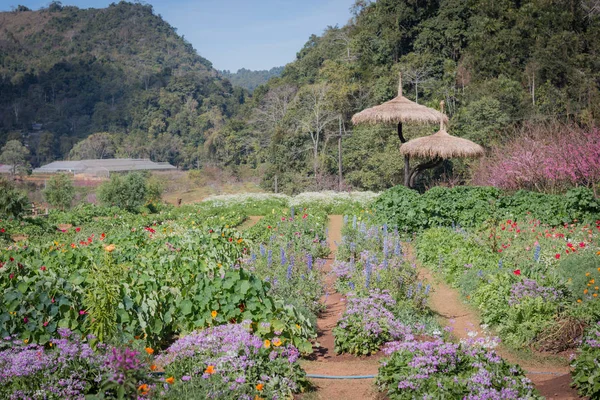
<point>406,157</point>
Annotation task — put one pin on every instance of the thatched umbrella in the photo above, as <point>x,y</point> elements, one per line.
<point>397,111</point>
<point>438,147</point>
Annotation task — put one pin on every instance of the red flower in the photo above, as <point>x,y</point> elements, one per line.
<point>557,256</point>
<point>11,276</point>
<point>581,244</point>
<point>499,250</point>
<point>25,319</point>
<point>269,227</point>
<point>43,268</point>
<point>517,272</point>
<point>2,230</point>
<point>45,323</point>
<point>12,259</point>
<point>73,245</point>
<point>570,245</point>
<point>283,218</point>
<point>304,216</point>
<point>231,239</point>
<point>78,229</point>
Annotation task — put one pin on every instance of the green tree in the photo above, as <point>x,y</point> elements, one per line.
<point>128,192</point>
<point>60,191</point>
<point>13,202</point>
<point>15,154</point>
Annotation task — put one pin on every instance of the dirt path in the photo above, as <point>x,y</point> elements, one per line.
<point>326,362</point>
<point>250,222</point>
<point>552,381</point>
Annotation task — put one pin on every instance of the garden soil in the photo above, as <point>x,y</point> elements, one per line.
<point>553,382</point>
<point>324,360</point>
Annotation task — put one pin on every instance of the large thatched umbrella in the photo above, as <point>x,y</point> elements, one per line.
<point>438,147</point>
<point>397,111</point>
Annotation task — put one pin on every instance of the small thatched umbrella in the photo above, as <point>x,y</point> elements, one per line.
<point>438,147</point>
<point>397,111</point>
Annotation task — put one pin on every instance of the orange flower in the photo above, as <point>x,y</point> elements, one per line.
<point>585,291</point>
<point>143,389</point>
<point>153,367</point>
<point>579,300</point>
<point>277,342</point>
<point>240,240</point>
<point>259,387</point>
<point>593,281</point>
<point>170,380</point>
<point>214,314</point>
<point>210,370</point>
<point>587,274</point>
<point>257,397</point>
<point>110,248</point>
<point>267,343</point>
<point>595,295</point>
<point>149,350</point>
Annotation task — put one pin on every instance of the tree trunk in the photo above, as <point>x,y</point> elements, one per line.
<point>418,170</point>
<point>406,158</point>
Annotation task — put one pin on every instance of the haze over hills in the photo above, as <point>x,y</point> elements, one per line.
<point>251,79</point>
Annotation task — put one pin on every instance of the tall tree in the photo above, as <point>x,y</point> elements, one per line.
<point>15,155</point>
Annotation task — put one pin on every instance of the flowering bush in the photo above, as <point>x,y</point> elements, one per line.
<point>544,158</point>
<point>229,362</point>
<point>367,324</point>
<point>586,367</point>
<point>69,369</point>
<point>438,369</point>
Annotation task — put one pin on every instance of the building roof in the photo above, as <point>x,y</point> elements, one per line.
<point>5,169</point>
<point>103,166</point>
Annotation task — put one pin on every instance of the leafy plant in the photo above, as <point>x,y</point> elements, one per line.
<point>60,191</point>
<point>586,373</point>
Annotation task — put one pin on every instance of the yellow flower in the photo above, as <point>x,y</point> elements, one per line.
<point>277,342</point>
<point>214,314</point>
<point>110,248</point>
<point>297,326</point>
<point>579,300</point>
<point>26,341</point>
<point>587,274</point>
<point>170,380</point>
<point>267,343</point>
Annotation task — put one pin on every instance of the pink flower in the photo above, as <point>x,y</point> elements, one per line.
<point>557,256</point>
<point>45,323</point>
<point>78,229</point>
<point>43,268</point>
<point>11,276</point>
<point>82,312</point>
<point>25,320</point>
<point>581,244</point>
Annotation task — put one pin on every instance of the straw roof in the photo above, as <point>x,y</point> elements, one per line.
<point>399,109</point>
<point>441,145</point>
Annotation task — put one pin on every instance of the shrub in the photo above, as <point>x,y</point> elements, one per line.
<point>69,369</point>
<point>586,367</point>
<point>128,192</point>
<point>60,191</point>
<point>13,202</point>
<point>229,362</point>
<point>438,369</point>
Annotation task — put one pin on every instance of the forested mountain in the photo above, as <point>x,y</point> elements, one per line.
<point>249,79</point>
<point>121,70</point>
<point>498,65</point>
<point>124,74</point>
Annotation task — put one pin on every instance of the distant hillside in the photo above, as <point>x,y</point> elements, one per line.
<point>251,79</point>
<point>121,69</point>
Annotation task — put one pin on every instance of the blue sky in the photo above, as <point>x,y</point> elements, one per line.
<point>237,33</point>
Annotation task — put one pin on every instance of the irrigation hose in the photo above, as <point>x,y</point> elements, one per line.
<point>319,376</point>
